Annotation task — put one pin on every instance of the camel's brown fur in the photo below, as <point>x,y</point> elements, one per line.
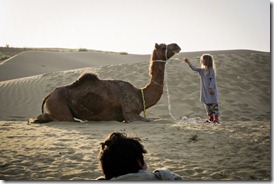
<point>90,98</point>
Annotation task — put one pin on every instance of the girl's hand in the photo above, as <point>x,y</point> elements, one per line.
<point>187,61</point>
<point>211,91</point>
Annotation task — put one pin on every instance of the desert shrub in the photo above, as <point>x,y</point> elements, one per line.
<point>3,56</point>
<point>123,53</point>
<point>82,50</point>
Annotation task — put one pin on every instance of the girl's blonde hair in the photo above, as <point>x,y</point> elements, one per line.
<point>208,61</point>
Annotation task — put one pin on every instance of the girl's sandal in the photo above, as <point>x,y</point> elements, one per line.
<point>207,121</point>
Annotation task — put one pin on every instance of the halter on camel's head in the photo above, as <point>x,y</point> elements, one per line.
<point>163,52</point>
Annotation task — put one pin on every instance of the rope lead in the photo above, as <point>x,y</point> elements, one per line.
<point>144,102</point>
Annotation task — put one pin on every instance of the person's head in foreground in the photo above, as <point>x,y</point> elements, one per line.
<point>121,158</point>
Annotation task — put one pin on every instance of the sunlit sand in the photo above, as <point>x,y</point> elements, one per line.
<point>238,149</point>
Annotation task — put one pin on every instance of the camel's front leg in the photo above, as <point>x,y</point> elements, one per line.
<point>131,106</point>
<point>129,117</point>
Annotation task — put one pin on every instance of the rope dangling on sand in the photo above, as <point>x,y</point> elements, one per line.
<point>167,90</point>
<point>168,95</point>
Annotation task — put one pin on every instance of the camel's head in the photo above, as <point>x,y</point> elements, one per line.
<point>164,52</point>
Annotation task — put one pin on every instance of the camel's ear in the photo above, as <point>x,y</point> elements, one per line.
<point>156,45</point>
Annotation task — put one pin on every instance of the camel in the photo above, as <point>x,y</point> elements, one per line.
<point>92,99</point>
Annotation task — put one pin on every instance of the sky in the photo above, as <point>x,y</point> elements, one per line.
<point>134,26</point>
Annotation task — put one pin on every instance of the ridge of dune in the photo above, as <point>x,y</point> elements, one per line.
<point>31,63</point>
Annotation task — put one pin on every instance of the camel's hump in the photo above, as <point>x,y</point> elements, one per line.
<point>84,78</point>
<point>88,76</point>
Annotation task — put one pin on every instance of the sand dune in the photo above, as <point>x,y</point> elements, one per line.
<point>238,149</point>
<point>243,81</point>
<point>31,63</point>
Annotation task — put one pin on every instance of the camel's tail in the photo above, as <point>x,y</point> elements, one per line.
<point>43,103</point>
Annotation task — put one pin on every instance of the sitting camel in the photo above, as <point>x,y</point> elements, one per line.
<point>90,98</point>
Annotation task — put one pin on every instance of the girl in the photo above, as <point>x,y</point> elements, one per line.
<point>209,92</point>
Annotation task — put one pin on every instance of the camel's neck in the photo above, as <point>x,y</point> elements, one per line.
<point>154,90</point>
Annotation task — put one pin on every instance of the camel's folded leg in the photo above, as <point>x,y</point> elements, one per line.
<point>42,118</point>
<point>59,110</point>
<point>129,117</point>
<point>45,118</point>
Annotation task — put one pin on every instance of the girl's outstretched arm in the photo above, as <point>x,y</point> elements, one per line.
<point>187,61</point>
<point>191,66</point>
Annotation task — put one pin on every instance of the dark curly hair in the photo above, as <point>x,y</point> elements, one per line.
<point>120,155</point>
